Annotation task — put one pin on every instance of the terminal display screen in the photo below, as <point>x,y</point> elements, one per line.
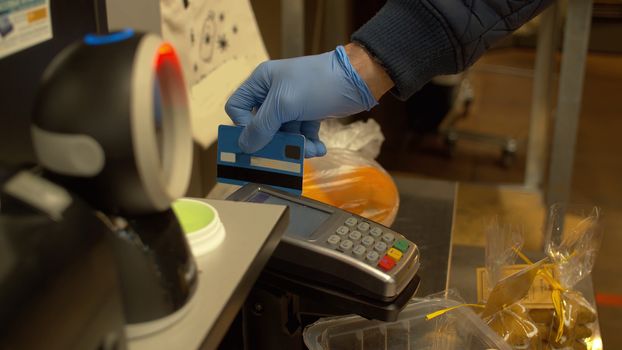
<point>303,220</point>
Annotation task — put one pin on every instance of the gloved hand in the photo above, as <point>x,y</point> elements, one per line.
<point>294,95</point>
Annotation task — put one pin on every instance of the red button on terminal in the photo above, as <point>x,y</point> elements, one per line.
<point>386,263</point>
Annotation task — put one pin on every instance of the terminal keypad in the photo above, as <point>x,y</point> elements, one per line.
<point>368,242</point>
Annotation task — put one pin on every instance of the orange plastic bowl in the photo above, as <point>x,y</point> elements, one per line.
<point>364,190</point>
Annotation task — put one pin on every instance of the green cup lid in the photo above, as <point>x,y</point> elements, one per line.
<point>193,215</point>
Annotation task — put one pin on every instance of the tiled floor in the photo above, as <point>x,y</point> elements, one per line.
<point>501,106</point>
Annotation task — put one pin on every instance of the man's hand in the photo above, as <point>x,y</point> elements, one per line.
<point>295,94</point>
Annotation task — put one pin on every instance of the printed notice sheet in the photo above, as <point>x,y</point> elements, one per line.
<point>219,45</point>
<point>23,23</point>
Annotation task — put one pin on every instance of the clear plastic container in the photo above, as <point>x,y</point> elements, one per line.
<point>459,329</point>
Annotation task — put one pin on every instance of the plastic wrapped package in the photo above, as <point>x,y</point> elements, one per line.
<point>578,318</point>
<point>502,245</point>
<point>572,243</point>
<point>460,329</point>
<point>504,312</point>
<point>562,317</point>
<point>348,177</point>
<point>516,327</point>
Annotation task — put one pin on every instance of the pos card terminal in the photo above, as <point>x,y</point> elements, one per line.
<point>337,248</point>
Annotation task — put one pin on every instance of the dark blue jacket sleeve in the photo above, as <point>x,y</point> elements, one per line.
<point>416,40</point>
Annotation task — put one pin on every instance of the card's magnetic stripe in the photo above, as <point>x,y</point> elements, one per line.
<point>258,176</point>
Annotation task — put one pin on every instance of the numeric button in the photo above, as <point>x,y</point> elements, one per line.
<point>346,244</point>
<point>351,221</point>
<point>359,251</point>
<point>368,241</point>
<point>363,226</point>
<point>388,237</point>
<point>333,240</point>
<point>380,247</point>
<point>342,230</point>
<point>354,235</point>
<point>376,231</point>
<point>372,257</point>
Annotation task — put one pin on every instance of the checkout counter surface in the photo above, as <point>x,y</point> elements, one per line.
<point>427,216</point>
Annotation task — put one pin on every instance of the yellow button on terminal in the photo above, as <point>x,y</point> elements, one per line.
<point>394,254</point>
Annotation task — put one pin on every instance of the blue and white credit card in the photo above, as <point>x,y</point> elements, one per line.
<point>279,164</point>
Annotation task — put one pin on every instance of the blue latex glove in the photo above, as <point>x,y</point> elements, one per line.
<point>294,95</point>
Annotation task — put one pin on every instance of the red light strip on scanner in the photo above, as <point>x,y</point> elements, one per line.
<point>166,52</point>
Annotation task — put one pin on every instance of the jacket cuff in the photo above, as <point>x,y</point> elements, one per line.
<point>411,43</point>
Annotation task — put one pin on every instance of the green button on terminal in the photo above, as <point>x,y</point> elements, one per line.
<point>401,245</point>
